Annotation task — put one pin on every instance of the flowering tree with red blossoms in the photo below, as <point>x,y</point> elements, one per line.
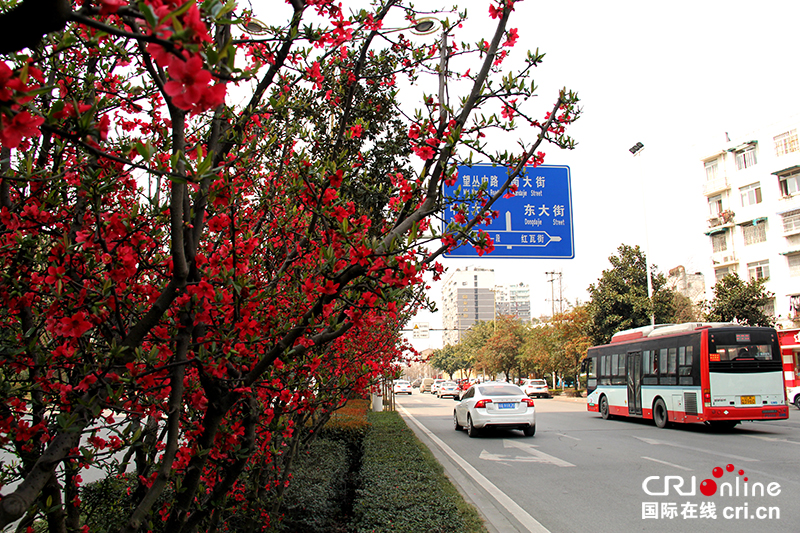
<point>210,238</point>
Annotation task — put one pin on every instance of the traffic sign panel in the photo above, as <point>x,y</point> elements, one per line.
<point>421,330</point>
<point>535,222</point>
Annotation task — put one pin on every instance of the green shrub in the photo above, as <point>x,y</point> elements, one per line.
<point>403,487</point>
<point>107,504</point>
<point>312,501</point>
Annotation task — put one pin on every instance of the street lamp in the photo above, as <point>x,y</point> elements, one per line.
<point>636,149</point>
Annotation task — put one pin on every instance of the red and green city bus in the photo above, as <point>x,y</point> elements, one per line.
<point>715,373</point>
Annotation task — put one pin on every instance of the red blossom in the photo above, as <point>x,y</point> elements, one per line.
<point>22,125</point>
<point>111,6</point>
<point>424,152</point>
<point>356,131</point>
<point>189,85</point>
<point>75,325</point>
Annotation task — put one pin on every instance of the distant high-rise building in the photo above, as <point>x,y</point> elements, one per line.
<point>514,300</point>
<point>467,298</point>
<point>470,295</point>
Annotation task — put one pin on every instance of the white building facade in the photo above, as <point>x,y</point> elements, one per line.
<point>467,298</point>
<point>752,186</point>
<point>469,295</point>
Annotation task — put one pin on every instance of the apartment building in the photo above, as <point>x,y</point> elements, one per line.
<point>753,190</point>
<point>752,186</point>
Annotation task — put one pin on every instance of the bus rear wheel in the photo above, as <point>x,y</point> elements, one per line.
<point>660,414</point>
<point>604,412</point>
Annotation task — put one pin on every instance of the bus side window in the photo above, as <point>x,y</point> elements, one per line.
<point>592,379</point>
<point>649,368</point>
<point>685,365</point>
<point>605,370</point>
<point>668,359</point>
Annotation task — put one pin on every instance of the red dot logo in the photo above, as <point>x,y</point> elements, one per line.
<point>708,487</point>
<point>730,468</point>
<point>717,472</point>
<point>741,472</point>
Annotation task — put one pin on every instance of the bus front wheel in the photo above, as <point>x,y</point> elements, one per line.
<point>604,412</point>
<point>660,415</point>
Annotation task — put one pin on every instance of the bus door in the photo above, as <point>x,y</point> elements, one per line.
<point>634,368</point>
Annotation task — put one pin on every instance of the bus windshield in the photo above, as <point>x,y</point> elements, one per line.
<point>751,352</point>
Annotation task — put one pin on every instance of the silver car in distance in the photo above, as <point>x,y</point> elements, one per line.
<point>494,405</point>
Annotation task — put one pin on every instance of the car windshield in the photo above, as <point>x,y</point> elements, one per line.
<point>500,390</point>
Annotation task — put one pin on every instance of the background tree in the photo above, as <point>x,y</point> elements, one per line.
<point>452,359</point>
<point>194,279</point>
<point>571,330</point>
<point>738,301</point>
<point>500,352</point>
<point>619,299</point>
<point>472,343</point>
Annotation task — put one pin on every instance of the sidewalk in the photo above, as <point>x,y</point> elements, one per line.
<point>568,399</point>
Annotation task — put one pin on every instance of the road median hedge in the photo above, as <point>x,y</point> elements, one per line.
<point>403,487</point>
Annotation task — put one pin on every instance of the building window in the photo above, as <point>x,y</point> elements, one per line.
<point>711,170</point>
<point>720,273</point>
<point>789,183</point>
<point>791,221</point>
<point>794,304</point>
<point>751,194</point>
<point>755,233</point>
<point>758,270</point>
<point>794,265</point>
<point>746,158</point>
<point>786,143</point>
<point>719,242</point>
<point>715,205</point>
<point>769,308</point>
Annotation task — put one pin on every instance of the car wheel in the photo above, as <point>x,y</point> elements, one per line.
<point>604,412</point>
<point>456,425</point>
<point>660,414</point>
<point>472,431</point>
<point>529,431</point>
<point>797,401</point>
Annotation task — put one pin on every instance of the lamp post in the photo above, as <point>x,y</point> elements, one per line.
<point>636,150</point>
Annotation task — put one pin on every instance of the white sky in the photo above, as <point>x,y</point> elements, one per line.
<point>675,76</point>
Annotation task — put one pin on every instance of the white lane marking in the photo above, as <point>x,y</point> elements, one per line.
<point>701,450</point>
<point>539,455</point>
<point>668,464</point>
<point>567,436</point>
<point>772,439</point>
<point>526,520</point>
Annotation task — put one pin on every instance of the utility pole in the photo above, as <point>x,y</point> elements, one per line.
<point>551,281</point>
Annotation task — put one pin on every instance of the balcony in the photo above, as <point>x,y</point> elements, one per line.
<point>726,258</point>
<point>716,186</point>
<point>723,219</point>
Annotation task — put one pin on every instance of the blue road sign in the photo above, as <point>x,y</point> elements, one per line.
<point>534,223</point>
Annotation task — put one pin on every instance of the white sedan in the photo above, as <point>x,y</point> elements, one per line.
<point>793,395</point>
<point>536,387</point>
<point>402,386</point>
<point>495,405</point>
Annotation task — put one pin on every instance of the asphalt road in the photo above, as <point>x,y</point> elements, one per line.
<point>582,473</point>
